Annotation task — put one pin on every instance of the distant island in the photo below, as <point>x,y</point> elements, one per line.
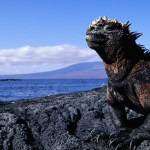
<point>86,70</point>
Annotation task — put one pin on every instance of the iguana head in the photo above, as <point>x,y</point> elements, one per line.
<point>106,35</point>
<point>104,30</point>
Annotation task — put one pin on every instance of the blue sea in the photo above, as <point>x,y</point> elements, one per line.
<point>24,89</point>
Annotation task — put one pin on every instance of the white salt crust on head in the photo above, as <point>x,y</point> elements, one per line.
<point>105,19</point>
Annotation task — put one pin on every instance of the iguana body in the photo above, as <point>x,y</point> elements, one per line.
<point>127,65</point>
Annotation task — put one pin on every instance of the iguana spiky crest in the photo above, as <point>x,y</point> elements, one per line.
<point>105,19</point>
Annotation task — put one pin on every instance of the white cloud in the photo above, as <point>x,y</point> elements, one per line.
<point>31,57</point>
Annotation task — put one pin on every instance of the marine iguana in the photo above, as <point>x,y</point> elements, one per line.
<point>127,65</point>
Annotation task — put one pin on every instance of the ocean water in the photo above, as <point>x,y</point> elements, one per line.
<point>23,89</point>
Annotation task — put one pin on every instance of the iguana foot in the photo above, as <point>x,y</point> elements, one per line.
<point>129,139</point>
<point>97,135</point>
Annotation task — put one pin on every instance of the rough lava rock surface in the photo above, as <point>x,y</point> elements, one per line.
<point>75,121</point>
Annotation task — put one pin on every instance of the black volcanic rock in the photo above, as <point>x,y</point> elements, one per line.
<point>76,121</point>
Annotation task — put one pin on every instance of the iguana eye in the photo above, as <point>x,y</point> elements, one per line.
<point>109,28</point>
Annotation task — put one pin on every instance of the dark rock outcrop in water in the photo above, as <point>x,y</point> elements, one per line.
<point>76,121</point>
<point>10,79</point>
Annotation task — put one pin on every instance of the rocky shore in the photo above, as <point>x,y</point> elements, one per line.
<point>75,121</point>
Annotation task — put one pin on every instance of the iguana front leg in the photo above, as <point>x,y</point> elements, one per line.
<point>117,110</point>
<point>118,116</point>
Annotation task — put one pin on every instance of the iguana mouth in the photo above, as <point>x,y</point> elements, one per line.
<point>95,44</point>
<point>95,39</point>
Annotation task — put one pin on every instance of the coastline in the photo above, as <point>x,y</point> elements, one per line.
<point>58,122</point>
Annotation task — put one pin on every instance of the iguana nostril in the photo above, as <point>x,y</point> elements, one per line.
<point>92,28</point>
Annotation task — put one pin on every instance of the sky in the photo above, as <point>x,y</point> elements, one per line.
<point>45,35</point>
